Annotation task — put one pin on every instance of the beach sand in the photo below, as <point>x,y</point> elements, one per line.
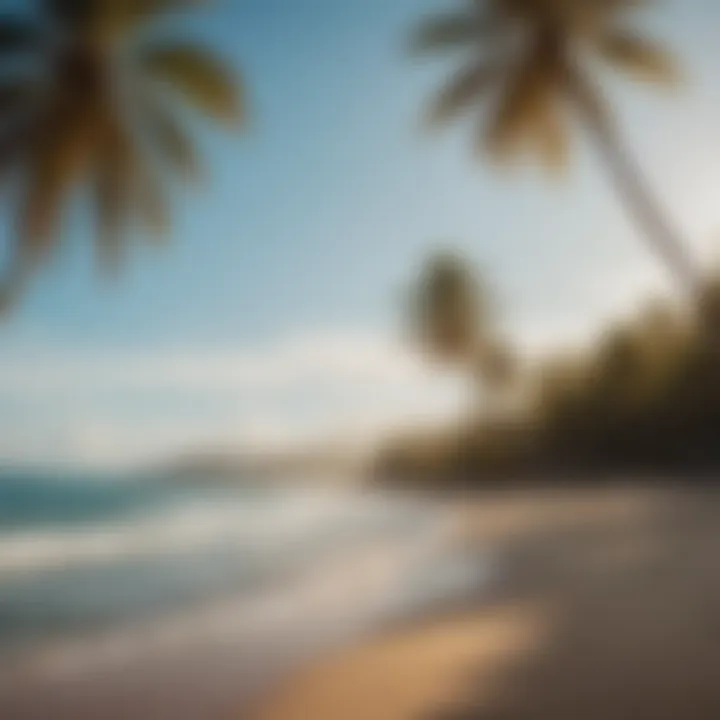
<point>600,605</point>
<point>607,608</point>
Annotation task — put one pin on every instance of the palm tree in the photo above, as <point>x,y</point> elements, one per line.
<point>447,310</point>
<point>531,62</point>
<point>92,101</point>
<point>451,316</point>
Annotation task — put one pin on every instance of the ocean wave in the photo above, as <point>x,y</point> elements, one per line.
<point>264,524</point>
<point>325,601</point>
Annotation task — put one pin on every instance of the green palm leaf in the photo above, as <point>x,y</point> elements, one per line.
<point>83,129</point>
<point>555,145</point>
<point>466,88</point>
<point>113,189</point>
<point>151,203</point>
<point>543,50</point>
<point>168,138</point>
<point>111,209</point>
<point>447,32</point>
<point>551,139</point>
<point>202,80</point>
<point>58,159</point>
<point>125,186</point>
<point>520,111</point>
<point>530,75</point>
<point>642,58</point>
<point>125,15</point>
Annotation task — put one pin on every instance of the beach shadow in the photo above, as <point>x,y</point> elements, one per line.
<point>633,620</point>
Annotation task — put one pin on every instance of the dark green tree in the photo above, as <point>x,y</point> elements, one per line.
<point>452,318</point>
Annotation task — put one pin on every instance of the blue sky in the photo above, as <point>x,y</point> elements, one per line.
<point>309,225</point>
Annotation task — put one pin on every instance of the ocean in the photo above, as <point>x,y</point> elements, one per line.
<point>101,572</point>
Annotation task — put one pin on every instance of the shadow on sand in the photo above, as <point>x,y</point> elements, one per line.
<point>633,618</point>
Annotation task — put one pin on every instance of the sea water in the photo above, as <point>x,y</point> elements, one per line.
<point>99,569</point>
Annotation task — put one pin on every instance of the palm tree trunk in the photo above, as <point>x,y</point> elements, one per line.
<point>633,189</point>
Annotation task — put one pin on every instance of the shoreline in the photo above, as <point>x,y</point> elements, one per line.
<point>241,645</point>
<point>609,610</point>
<point>604,574</point>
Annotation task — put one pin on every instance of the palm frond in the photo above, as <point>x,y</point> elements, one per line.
<point>126,189</point>
<point>449,32</point>
<point>128,185</point>
<point>466,88</point>
<point>41,211</point>
<point>521,109</point>
<point>150,202</point>
<point>202,79</point>
<point>551,139</point>
<point>596,14</point>
<point>56,162</point>
<point>587,98</point>
<point>614,7</point>
<point>168,139</point>
<point>124,16</point>
<point>113,188</point>
<point>111,213</point>
<point>637,56</point>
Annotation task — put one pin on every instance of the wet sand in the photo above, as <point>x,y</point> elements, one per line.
<point>201,662</point>
<point>608,608</point>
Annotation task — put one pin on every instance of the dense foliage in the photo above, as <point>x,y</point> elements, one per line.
<point>644,398</point>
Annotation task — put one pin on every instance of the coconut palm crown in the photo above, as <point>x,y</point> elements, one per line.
<point>93,101</point>
<point>527,67</point>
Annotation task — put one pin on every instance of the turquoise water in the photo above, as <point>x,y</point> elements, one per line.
<point>82,557</point>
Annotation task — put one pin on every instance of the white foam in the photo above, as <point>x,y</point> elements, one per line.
<point>256,524</point>
<point>342,595</point>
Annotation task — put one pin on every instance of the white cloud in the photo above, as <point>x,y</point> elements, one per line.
<point>331,358</point>
<point>111,409</point>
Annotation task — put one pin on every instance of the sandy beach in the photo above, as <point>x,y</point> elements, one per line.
<point>299,575</point>
<point>608,607</point>
<point>597,604</point>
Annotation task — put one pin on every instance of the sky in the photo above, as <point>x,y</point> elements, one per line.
<point>273,314</point>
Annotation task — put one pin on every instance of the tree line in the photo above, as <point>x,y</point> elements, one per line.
<point>643,398</point>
